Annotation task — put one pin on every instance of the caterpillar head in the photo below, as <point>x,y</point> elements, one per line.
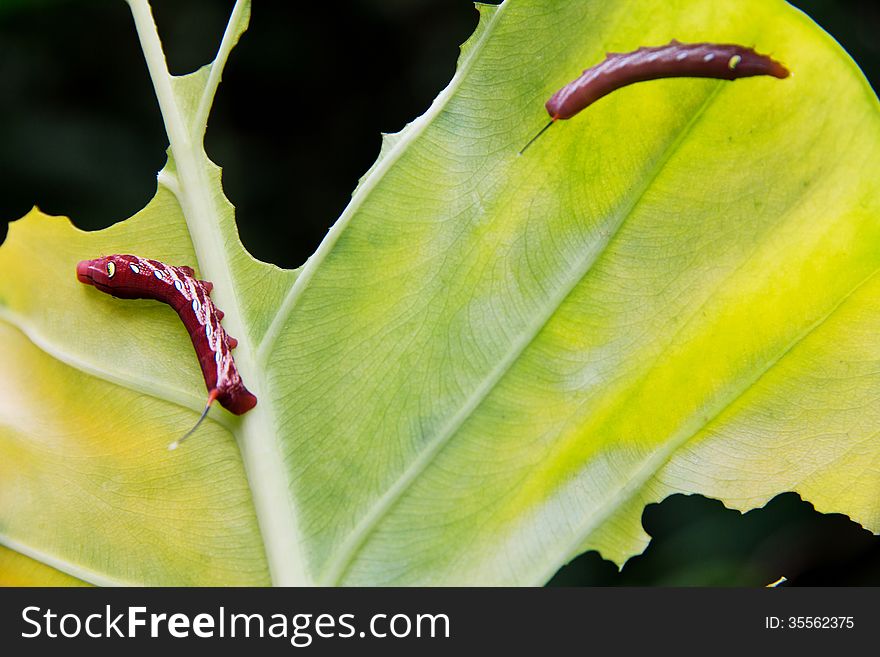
<point>105,273</point>
<point>748,63</point>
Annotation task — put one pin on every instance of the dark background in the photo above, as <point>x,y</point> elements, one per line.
<point>82,136</point>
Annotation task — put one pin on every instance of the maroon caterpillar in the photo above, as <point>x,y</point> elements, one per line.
<point>131,277</point>
<point>674,60</point>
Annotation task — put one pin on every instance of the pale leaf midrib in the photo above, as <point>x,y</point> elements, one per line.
<point>201,198</point>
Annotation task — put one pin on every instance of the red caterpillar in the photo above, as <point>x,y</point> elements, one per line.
<point>674,60</point>
<point>130,277</point>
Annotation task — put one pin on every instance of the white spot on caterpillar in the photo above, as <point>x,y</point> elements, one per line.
<point>619,61</point>
<point>196,306</point>
<point>653,57</point>
<point>179,286</point>
<point>208,331</point>
<point>709,57</point>
<point>734,62</point>
<point>218,357</point>
<point>157,274</point>
<point>681,56</point>
<point>135,269</point>
<point>111,269</point>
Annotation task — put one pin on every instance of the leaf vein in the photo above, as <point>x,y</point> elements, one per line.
<point>656,461</point>
<point>356,539</point>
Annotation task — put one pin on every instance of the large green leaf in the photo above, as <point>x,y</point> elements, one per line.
<point>493,361</point>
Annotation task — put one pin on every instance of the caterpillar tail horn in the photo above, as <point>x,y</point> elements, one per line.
<point>540,132</point>
<point>211,397</point>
